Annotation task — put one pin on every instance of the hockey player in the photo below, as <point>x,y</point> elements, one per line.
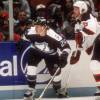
<point>86,31</point>
<point>85,28</point>
<point>45,43</point>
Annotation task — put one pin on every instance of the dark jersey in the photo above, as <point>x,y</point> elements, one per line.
<point>47,44</point>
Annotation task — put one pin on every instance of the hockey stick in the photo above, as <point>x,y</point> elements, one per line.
<point>71,66</point>
<point>68,76</point>
<point>41,95</point>
<point>69,72</point>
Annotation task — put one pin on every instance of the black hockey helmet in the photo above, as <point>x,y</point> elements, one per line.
<point>40,21</point>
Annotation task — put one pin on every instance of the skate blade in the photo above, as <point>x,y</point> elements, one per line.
<point>28,98</point>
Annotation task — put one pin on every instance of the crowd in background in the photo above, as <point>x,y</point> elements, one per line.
<point>57,12</point>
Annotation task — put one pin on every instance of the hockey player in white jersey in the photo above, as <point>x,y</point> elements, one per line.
<point>45,43</point>
<point>86,31</point>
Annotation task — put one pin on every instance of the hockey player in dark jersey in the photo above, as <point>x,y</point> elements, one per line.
<point>45,43</point>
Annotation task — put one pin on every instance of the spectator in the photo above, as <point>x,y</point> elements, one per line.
<point>4,25</point>
<point>68,27</point>
<point>1,5</point>
<point>21,16</point>
<point>41,10</point>
<point>22,26</point>
<point>25,6</point>
<point>4,28</point>
<point>16,9</point>
<point>55,15</point>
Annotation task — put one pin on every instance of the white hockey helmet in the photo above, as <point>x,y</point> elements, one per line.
<point>82,6</point>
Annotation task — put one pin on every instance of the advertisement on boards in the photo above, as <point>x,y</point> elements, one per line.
<point>13,66</point>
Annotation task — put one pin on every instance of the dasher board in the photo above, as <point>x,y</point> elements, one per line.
<point>72,98</point>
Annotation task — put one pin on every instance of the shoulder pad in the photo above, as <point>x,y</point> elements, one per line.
<point>54,35</point>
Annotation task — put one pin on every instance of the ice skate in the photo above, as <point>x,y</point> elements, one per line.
<point>29,95</point>
<point>97,93</point>
<point>61,93</point>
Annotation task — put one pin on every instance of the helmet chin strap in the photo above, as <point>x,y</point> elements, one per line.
<point>78,18</point>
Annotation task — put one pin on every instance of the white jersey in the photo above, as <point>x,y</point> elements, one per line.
<point>98,27</point>
<point>89,30</point>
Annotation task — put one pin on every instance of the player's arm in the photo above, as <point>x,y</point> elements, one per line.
<point>82,31</point>
<point>65,51</point>
<point>63,45</point>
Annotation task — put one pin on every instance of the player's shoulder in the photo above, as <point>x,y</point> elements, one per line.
<point>31,31</point>
<point>92,19</point>
<point>51,33</point>
<point>91,22</point>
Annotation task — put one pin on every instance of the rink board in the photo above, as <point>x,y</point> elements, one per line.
<point>72,98</point>
<point>13,83</point>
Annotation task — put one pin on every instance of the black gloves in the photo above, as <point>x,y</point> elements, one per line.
<point>63,59</point>
<point>75,57</point>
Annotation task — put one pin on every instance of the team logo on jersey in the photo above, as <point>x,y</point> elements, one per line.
<point>42,46</point>
<point>63,42</point>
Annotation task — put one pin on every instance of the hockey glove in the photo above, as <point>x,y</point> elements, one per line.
<point>89,50</point>
<point>63,59</point>
<point>75,57</point>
